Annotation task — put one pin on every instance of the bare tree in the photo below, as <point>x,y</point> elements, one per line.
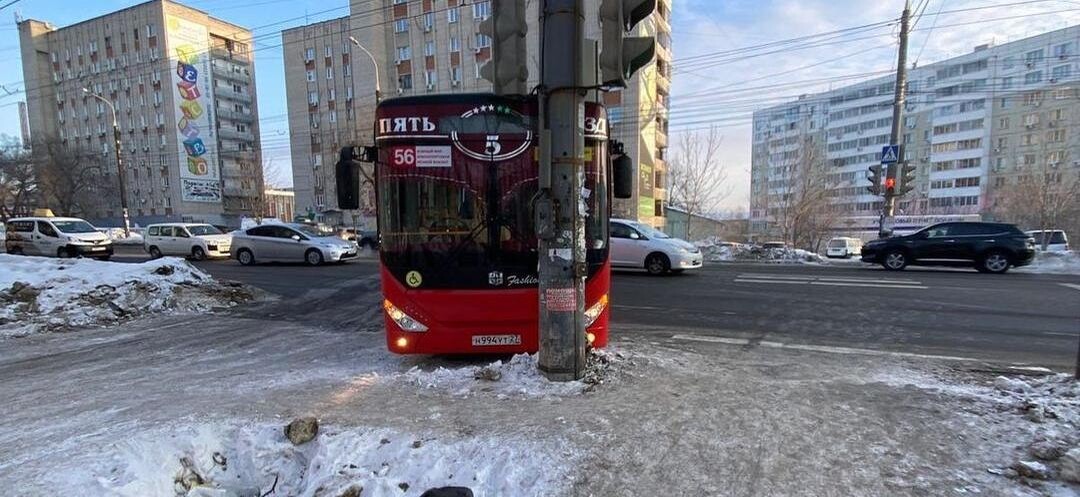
<point>803,206</point>
<point>696,178</point>
<point>273,176</point>
<point>18,183</point>
<point>1043,199</point>
<point>74,182</point>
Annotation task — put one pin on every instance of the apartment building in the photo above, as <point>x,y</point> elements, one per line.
<point>971,123</point>
<point>182,84</point>
<point>434,46</point>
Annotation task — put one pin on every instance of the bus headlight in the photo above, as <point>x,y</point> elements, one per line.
<point>404,321</point>
<point>594,312</point>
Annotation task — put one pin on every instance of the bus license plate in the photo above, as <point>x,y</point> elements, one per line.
<point>495,340</point>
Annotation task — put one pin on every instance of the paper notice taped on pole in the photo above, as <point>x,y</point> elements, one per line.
<point>560,299</point>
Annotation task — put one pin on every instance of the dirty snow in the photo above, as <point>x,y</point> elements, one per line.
<point>247,459</point>
<point>1053,263</point>
<point>134,237</point>
<point>45,294</point>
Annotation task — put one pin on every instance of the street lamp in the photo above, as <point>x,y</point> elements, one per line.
<point>119,161</point>
<point>378,86</point>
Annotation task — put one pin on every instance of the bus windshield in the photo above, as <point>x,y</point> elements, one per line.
<point>472,225</point>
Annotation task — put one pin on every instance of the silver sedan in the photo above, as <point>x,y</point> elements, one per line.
<point>289,243</point>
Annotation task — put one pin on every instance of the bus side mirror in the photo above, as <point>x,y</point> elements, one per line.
<point>623,177</point>
<point>347,175</point>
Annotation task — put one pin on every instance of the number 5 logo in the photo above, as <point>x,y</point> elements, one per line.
<point>492,147</point>
<point>404,156</point>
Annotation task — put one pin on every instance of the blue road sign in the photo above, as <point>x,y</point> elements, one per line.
<point>890,154</point>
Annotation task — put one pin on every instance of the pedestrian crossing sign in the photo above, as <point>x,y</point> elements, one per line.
<point>890,154</point>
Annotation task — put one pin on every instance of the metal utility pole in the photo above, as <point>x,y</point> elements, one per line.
<point>889,205</point>
<point>119,161</point>
<point>560,221</point>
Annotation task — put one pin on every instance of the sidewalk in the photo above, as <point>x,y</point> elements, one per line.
<point>669,418</point>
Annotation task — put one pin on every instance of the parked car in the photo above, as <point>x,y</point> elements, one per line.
<point>366,238</point>
<point>56,237</point>
<point>195,240</point>
<point>635,245</point>
<point>843,247</point>
<point>290,243</point>
<point>1057,241</point>
<point>989,247</point>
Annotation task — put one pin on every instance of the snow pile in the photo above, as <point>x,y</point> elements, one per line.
<point>118,238</point>
<point>253,460</point>
<point>44,294</point>
<point>519,377</point>
<point>1054,263</point>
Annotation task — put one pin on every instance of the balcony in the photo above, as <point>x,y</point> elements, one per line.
<point>661,139</point>
<point>237,154</point>
<point>222,92</point>
<point>227,73</point>
<point>223,54</point>
<point>235,116</point>
<point>663,83</point>
<point>660,194</point>
<point>232,134</point>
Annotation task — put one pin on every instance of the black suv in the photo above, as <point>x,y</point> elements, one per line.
<point>990,247</point>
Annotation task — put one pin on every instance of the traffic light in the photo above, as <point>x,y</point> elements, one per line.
<point>347,174</point>
<point>907,179</point>
<point>507,69</point>
<point>890,187</point>
<point>621,55</point>
<point>873,175</point>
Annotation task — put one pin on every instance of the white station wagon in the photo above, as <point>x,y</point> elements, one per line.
<point>194,240</point>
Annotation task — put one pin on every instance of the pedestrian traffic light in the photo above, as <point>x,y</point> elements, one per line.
<point>507,69</point>
<point>873,175</point>
<point>621,55</point>
<point>890,187</point>
<point>907,179</point>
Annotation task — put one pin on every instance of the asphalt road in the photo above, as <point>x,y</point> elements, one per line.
<point>1014,318</point>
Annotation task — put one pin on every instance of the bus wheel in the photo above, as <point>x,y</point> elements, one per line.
<point>657,264</point>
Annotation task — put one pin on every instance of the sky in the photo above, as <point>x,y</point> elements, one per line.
<point>722,72</point>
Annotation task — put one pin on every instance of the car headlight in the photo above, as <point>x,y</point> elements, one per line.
<point>593,312</point>
<point>404,321</point>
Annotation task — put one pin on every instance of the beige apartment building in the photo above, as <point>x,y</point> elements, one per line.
<point>183,87</point>
<point>434,46</point>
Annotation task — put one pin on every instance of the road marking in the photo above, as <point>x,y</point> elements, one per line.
<point>874,285</point>
<point>773,281</point>
<point>820,348</point>
<point>640,307</point>
<point>1074,286</point>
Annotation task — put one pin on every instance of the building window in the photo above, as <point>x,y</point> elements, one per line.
<point>429,21</point>
<point>405,82</point>
<point>404,53</point>
<point>1008,63</point>
<point>313,98</point>
<point>310,75</point>
<point>328,52</point>
<point>1006,83</point>
<point>1003,123</point>
<point>331,116</point>
<point>429,48</point>
<point>346,70</point>
<point>455,74</point>
<point>481,10</point>
<point>482,41</point>
<point>1063,50</point>
<point>455,44</point>
<point>1032,57</point>
<point>1059,73</point>
<point>329,73</point>
<point>429,77</point>
<point>452,15</point>
<point>1032,77</point>
<point>331,94</point>
<point>309,54</point>
<point>401,26</point>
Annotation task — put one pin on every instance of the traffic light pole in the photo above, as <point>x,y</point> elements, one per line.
<point>889,205</point>
<point>560,219</point>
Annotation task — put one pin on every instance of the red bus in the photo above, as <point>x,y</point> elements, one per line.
<point>455,180</point>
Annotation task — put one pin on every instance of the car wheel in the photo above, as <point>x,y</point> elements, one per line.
<point>895,260</point>
<point>995,261</point>
<point>313,257</point>
<point>657,264</point>
<point>63,253</point>
<point>198,254</point>
<point>245,257</point>
<point>155,253</point>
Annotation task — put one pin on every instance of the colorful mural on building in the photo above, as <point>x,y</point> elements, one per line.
<point>189,43</point>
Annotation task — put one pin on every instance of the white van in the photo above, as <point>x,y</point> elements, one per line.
<point>195,240</point>
<point>56,237</point>
<point>843,247</point>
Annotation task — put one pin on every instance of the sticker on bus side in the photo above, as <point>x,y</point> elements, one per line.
<point>421,156</point>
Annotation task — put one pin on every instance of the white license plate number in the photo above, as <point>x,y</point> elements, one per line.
<point>96,249</point>
<point>495,340</point>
